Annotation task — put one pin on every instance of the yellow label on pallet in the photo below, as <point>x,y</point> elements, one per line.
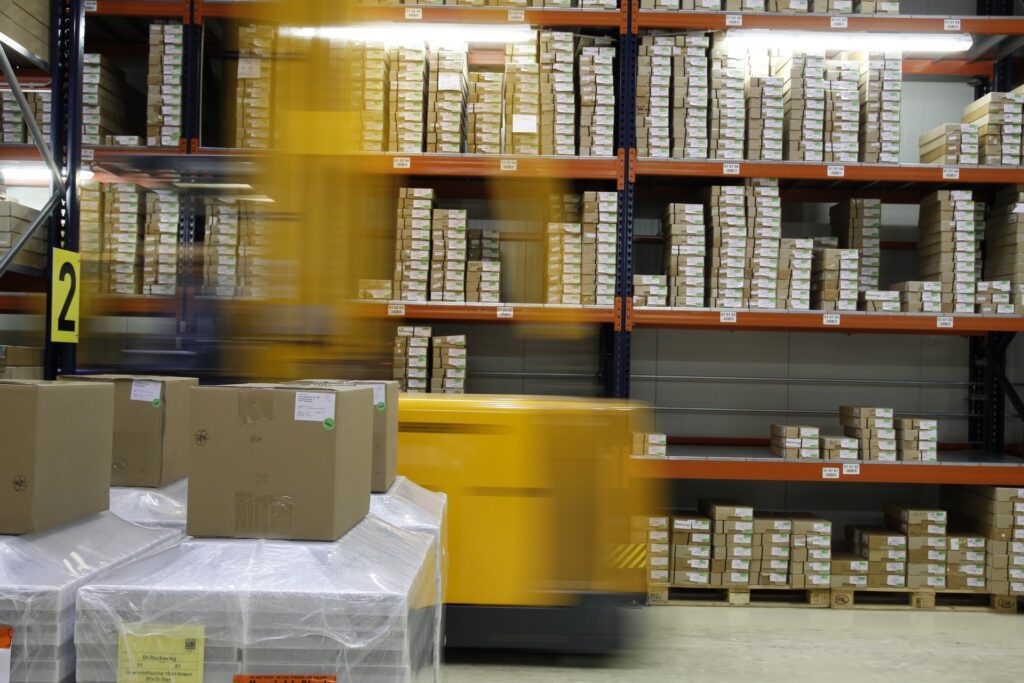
<point>172,653</point>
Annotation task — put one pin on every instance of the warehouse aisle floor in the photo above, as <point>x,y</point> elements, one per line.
<point>717,644</point>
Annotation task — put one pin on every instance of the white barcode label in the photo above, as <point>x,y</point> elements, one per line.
<point>516,15</point>
<point>951,25</point>
<point>506,312</point>
<point>836,171</point>
<point>950,173</point>
<point>944,322</point>
<point>831,319</point>
<point>90,5</point>
<point>396,310</point>
<point>401,162</point>
<point>851,469</point>
<point>734,20</point>
<point>413,13</point>
<point>730,169</point>
<point>727,317</point>
<point>146,390</point>
<point>840,22</point>
<point>829,472</point>
<point>313,406</point>
<point>88,154</point>
<point>510,165</point>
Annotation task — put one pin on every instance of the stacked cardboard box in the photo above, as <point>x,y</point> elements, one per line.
<point>947,246</point>
<point>650,445</point>
<point>412,244</point>
<point>849,570</point>
<point>764,226</point>
<point>220,257</point>
<point>163,113</point>
<point>994,297</point>
<point>980,225</point>
<point>654,533</point>
<point>886,553</point>
<point>27,22</point>
<point>654,110</point>
<point>448,375</point>
<point>361,74</point>
<point>728,245</point>
<point>485,112</point>
<point>880,301</point>
<point>13,123</point>
<point>804,134</point>
<point>832,6</point>
<point>597,101</point>
<point>522,99</point>
<point>917,440</point>
<point>835,280</point>
<point>874,428</point>
<point>794,442</point>
<point>412,359</point>
<point>733,525</point>
<point>102,108</point>
<point>858,225</point>
<point>90,236</point>
<point>375,290</point>
<point>254,248</point>
<point>774,535</point>
<point>1004,236</point>
<point>966,562</point>
<point>840,448</point>
<point>692,551</point>
<point>160,244</point>
<point>842,111</point>
<point>407,78</point>
<point>123,212</point>
<point>255,69</point>
<point>728,106</point>
<point>600,220</point>
<point>789,6</point>
<point>995,513</point>
<point>483,281</point>
<point>765,117</point>
<point>881,92</point>
<point>565,208</point>
<point>446,101</point>
<point>998,117</point>
<point>690,96</point>
<point>587,4</point>
<point>878,6</point>
<point>565,263</point>
<point>650,291</point>
<point>920,297</point>
<point>21,362</point>
<point>810,564</point>
<point>557,93</point>
<point>795,269</point>
<point>951,144</point>
<point>42,105</point>
<point>448,255</point>
<point>685,253</point>
<point>925,531</point>
<point>14,221</point>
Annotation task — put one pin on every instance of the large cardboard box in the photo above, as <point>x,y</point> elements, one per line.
<point>151,433</point>
<point>55,464</point>
<point>274,461</point>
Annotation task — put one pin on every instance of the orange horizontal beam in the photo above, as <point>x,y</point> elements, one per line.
<point>23,303</point>
<point>130,305</point>
<point>797,170</point>
<point>121,8</point>
<point>716,21</point>
<point>468,165</point>
<point>231,10</point>
<point>488,314</point>
<point>948,67</point>
<point>19,153</point>
<point>488,15</point>
<point>869,472</point>
<point>815,321</point>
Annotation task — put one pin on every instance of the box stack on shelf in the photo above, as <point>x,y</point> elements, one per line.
<point>483,281</point>
<point>448,374</point>
<point>522,100</point>
<point>123,211</point>
<point>842,111</point>
<point>412,244</point>
<point>804,104</point>
<point>600,220</point>
<point>565,208</point>
<point>375,290</point>
<point>796,259</point>
<point>773,536</point>
<point>886,553</point>
<point>220,248</point>
<point>1004,241</point>
<point>810,551</point>
<point>650,445</point>
<point>878,6</point>
<point>728,72</point>
<point>448,255</point>
<point>733,539</point>
<point>919,296</point>
<point>881,89</point>
<point>764,226</point>
<point>947,245</point>
<point>858,225</point>
<point>557,93</point>
<point>998,118</point>
<point>485,112</point>
<point>765,117</point>
<point>874,429</point>
<point>880,301</point>
<point>692,552</point>
<point>728,243</point>
<point>840,448</point>
<point>925,532</point>
<point>42,105</point>
<point>90,236</point>
<point>653,99</point>
<point>690,97</point>
<point>27,22</point>
<point>407,74</point>
<point>650,291</point>
<point>164,93</point>
<point>917,440</point>
<point>654,533</point>
<point>995,513</point>
<point>849,570</point>
<point>160,245</point>
<point>255,69</point>
<point>994,298</point>
<point>686,254</point>
<point>446,101</point>
<point>835,280</point>
<point>565,263</point>
<point>795,442</point>
<point>597,101</point>
<point>966,562</point>
<point>951,144</point>
<point>412,361</point>
<point>13,123</point>
<point>14,220</point>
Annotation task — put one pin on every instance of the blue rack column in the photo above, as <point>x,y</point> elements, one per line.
<point>66,57</point>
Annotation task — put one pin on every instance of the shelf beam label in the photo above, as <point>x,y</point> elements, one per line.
<point>413,13</point>
<point>90,5</point>
<point>832,319</point>
<point>730,169</point>
<point>851,469</point>
<point>951,25</point>
<point>402,163</point>
<point>516,16</point>
<point>88,154</point>
<point>734,20</point>
<point>396,310</point>
<point>944,322</point>
<point>829,472</point>
<point>510,165</point>
<point>839,22</point>
<point>728,317</point>
<point>836,171</point>
<point>506,312</point>
<point>951,173</point>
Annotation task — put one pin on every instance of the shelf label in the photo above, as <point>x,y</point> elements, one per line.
<point>516,15</point>
<point>831,319</point>
<point>510,165</point>
<point>734,20</point>
<point>168,654</point>
<point>836,171</point>
<point>506,312</point>
<point>88,154</point>
<point>727,317</point>
<point>951,173</point>
<point>730,169</point>
<point>413,13</point>
<point>851,469</point>
<point>402,163</point>
<point>839,22</point>
<point>951,25</point>
<point>944,322</point>
<point>829,472</point>
<point>90,5</point>
<point>396,310</point>
<point>277,678</point>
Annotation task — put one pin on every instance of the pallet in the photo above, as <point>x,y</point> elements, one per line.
<point>738,596</point>
<point>918,599</point>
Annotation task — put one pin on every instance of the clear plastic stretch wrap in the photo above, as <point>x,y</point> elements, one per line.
<point>414,508</point>
<point>164,508</point>
<point>39,576</point>
<point>361,608</point>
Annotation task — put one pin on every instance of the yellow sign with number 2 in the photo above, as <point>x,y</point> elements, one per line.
<point>64,316</point>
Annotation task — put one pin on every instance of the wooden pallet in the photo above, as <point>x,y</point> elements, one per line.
<point>739,596</point>
<point>917,599</point>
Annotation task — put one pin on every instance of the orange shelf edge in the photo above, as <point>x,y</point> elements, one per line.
<point>494,15</point>
<point>716,21</point>
<point>488,314</point>
<point>123,8</point>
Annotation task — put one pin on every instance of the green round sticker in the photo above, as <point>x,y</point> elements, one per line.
<point>157,403</point>
<point>381,406</point>
<point>329,424</point>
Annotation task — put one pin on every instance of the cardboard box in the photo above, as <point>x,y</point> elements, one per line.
<point>272,461</point>
<point>151,435</point>
<point>56,454</point>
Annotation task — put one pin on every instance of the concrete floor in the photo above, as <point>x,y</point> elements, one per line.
<point>747,645</point>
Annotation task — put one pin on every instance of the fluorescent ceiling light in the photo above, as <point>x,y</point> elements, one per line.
<point>213,186</point>
<point>34,173</point>
<point>452,36</point>
<point>814,41</point>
